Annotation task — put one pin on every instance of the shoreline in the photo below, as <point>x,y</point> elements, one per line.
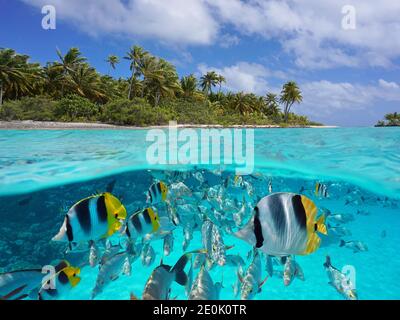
<point>50,125</point>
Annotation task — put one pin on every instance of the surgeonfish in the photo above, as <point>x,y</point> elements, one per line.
<point>65,278</point>
<point>157,193</point>
<point>340,281</point>
<point>321,190</point>
<point>284,224</point>
<point>251,282</point>
<point>203,287</point>
<point>110,271</point>
<point>213,243</point>
<point>18,285</point>
<point>142,222</point>
<point>159,283</point>
<point>292,270</point>
<point>356,246</point>
<point>92,218</point>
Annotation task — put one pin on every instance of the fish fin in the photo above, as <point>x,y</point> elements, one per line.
<point>327,263</point>
<point>13,293</point>
<point>321,227</point>
<point>180,275</point>
<point>262,283</point>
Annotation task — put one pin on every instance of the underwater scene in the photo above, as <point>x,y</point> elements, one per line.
<point>84,216</point>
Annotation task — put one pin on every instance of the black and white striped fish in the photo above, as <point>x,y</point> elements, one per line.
<point>321,190</point>
<point>157,193</point>
<point>65,278</point>
<point>92,218</point>
<point>142,222</point>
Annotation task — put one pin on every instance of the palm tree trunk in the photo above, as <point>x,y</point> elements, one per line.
<point>1,93</point>
<point>286,112</point>
<point>130,87</point>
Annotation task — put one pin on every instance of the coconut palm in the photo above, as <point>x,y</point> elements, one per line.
<point>136,56</point>
<point>208,81</point>
<point>290,94</point>
<point>88,83</point>
<point>69,62</point>
<point>241,103</point>
<point>221,79</point>
<point>160,80</point>
<point>17,76</point>
<point>112,61</point>
<point>271,103</point>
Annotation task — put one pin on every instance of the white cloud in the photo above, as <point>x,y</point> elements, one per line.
<point>311,30</point>
<point>172,21</point>
<point>321,99</point>
<point>324,98</point>
<point>244,76</point>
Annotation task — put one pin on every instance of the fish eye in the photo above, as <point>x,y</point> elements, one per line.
<point>116,215</point>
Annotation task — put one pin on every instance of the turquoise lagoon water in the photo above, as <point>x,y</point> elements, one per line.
<point>43,173</point>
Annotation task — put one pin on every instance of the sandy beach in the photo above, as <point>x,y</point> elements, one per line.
<point>49,125</point>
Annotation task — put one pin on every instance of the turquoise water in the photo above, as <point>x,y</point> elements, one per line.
<point>43,173</point>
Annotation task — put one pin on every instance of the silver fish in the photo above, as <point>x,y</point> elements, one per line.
<point>251,283</point>
<point>110,271</point>
<point>292,270</point>
<point>148,255</point>
<point>93,255</point>
<point>204,288</point>
<point>168,245</point>
<point>356,246</point>
<point>159,283</point>
<point>340,281</point>
<point>213,242</point>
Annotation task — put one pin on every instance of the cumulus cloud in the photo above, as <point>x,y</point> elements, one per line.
<point>324,98</point>
<point>245,76</point>
<point>173,21</point>
<point>312,30</point>
<point>321,99</point>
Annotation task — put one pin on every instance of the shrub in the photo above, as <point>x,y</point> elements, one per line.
<point>38,108</point>
<point>76,108</point>
<point>137,112</point>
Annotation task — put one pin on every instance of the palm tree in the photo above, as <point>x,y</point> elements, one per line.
<point>160,79</point>
<point>241,103</point>
<point>290,94</point>
<point>17,76</point>
<point>136,56</point>
<point>209,80</point>
<point>88,83</point>
<point>221,79</point>
<point>112,61</point>
<point>69,62</point>
<point>271,101</point>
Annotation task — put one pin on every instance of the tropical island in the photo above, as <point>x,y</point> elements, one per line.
<point>391,120</point>
<point>71,90</point>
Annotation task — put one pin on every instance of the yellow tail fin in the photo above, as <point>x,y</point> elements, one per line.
<point>321,227</point>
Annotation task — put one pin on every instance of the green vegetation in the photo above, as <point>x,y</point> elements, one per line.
<point>69,89</point>
<point>391,120</point>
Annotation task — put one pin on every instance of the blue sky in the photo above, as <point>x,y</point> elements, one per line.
<point>349,77</point>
